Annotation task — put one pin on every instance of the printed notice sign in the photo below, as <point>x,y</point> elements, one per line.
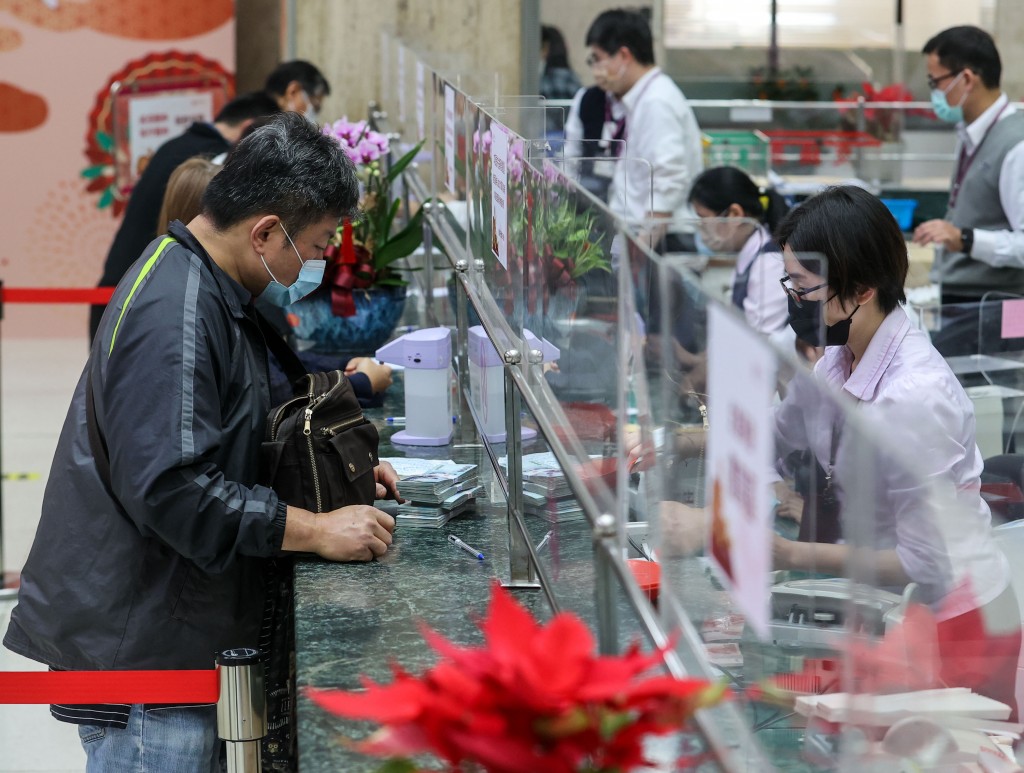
<point>1013,319</point>
<point>449,138</point>
<point>154,120</point>
<point>499,192</point>
<point>741,384</point>
<point>421,113</point>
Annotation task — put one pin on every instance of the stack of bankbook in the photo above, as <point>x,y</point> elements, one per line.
<point>546,492</point>
<point>435,490</point>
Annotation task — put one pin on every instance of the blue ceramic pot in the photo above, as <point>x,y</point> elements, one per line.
<point>378,310</point>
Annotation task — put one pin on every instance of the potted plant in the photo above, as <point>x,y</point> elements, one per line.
<point>531,698</point>
<point>565,249</point>
<point>363,293</point>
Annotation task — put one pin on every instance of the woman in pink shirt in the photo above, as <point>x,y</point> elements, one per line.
<point>918,503</point>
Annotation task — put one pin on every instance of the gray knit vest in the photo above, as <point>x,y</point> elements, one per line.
<point>978,206</point>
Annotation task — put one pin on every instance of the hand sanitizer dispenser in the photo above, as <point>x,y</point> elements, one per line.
<point>487,382</point>
<point>426,356</point>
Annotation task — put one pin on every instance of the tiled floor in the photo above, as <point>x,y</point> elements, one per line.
<point>38,378</point>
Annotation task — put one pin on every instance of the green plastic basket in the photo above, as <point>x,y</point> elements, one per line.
<point>744,148</point>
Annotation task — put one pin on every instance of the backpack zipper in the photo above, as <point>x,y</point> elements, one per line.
<point>280,415</point>
<point>334,429</point>
<point>307,418</point>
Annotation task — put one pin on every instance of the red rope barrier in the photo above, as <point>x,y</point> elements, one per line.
<point>56,294</point>
<point>71,687</point>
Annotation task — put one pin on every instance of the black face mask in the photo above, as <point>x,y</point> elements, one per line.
<point>805,320</point>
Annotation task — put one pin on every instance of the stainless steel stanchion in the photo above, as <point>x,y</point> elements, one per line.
<point>6,578</point>
<point>242,708</point>
<point>604,584</point>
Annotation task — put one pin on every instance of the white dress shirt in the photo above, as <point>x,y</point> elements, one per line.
<point>765,306</point>
<point>999,248</point>
<point>662,131</point>
<point>922,470</point>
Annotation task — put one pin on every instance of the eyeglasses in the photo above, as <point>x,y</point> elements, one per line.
<point>933,83</point>
<point>798,295</point>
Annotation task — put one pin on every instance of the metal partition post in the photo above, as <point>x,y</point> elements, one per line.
<point>604,584</point>
<point>242,708</point>
<point>522,573</point>
<point>467,427</point>
<point>858,161</point>
<point>428,257</point>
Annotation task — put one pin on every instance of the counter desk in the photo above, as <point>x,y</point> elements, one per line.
<point>354,620</point>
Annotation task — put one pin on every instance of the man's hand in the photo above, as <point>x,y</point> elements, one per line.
<point>939,232</point>
<point>683,528</point>
<point>353,533</point>
<point>378,373</point>
<point>387,482</point>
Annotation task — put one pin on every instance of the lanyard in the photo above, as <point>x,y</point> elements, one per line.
<point>964,162</point>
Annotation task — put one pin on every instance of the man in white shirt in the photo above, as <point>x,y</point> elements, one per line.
<point>662,139</point>
<point>981,240</point>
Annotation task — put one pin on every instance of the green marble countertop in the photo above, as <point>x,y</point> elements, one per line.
<point>354,620</point>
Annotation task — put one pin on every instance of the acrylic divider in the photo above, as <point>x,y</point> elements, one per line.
<point>847,613</point>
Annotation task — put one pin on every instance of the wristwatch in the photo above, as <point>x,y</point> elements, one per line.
<point>967,238</point>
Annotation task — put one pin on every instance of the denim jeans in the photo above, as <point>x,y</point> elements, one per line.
<point>160,740</point>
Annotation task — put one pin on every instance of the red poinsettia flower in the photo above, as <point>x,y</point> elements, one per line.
<point>533,697</point>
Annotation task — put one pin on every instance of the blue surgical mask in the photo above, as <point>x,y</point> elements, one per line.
<point>310,276</point>
<point>311,113</point>
<point>945,111</point>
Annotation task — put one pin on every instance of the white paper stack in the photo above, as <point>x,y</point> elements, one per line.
<point>886,709</point>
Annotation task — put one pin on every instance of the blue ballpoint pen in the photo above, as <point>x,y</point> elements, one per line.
<point>472,551</point>
<point>543,542</point>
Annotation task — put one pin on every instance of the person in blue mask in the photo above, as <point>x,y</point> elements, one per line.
<point>980,240</point>
<point>152,546</point>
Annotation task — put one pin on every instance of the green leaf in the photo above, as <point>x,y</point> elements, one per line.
<point>389,218</point>
<point>105,141</point>
<point>399,166</point>
<point>94,171</point>
<point>106,199</point>
<point>402,244</point>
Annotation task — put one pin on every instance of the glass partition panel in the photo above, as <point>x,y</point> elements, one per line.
<point>890,579</point>
<point>887,144</point>
<point>451,150</point>
<point>593,173</point>
<point>984,346</point>
<point>809,536</point>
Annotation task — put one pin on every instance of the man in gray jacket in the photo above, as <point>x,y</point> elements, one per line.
<point>154,533</point>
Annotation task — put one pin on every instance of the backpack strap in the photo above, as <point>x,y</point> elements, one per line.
<point>286,358</point>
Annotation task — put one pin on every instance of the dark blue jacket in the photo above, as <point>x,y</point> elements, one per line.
<point>170,570</point>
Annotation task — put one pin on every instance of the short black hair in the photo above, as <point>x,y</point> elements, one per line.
<point>620,28</point>
<point>968,48</point>
<point>288,168</point>
<point>720,187</point>
<point>313,81</point>
<point>857,236</point>
<point>253,104</point>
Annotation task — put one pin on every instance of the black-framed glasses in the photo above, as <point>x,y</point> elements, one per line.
<point>933,83</point>
<point>798,295</point>
<point>595,59</point>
